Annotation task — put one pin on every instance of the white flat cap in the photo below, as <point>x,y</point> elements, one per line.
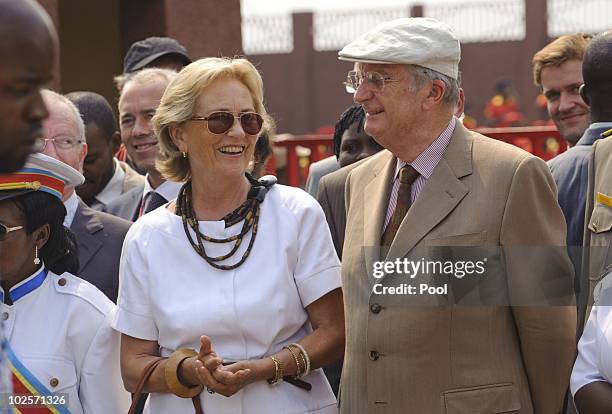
<point>418,41</point>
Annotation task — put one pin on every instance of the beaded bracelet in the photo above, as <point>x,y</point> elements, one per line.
<point>305,357</point>
<point>297,361</point>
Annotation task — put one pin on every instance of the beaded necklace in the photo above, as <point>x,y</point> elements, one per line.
<point>248,211</point>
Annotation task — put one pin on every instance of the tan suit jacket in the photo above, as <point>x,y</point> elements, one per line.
<point>402,357</point>
<point>597,255</point>
<point>330,196</point>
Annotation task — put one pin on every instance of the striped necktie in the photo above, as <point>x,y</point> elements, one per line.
<point>407,176</point>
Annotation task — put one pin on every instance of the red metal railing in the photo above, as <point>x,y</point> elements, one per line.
<point>542,141</point>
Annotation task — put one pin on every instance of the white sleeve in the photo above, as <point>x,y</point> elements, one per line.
<point>134,315</point>
<point>101,388</point>
<point>317,271</point>
<point>587,367</point>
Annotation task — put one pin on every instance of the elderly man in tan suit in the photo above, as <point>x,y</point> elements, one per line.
<point>438,184</point>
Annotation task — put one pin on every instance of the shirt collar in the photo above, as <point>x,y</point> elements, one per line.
<point>26,286</point>
<point>427,161</point>
<point>168,189</point>
<point>114,187</point>
<point>71,207</point>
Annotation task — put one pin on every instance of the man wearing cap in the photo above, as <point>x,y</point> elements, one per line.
<point>156,52</point>
<point>26,64</point>
<point>439,189</point>
<point>99,235</point>
<point>153,52</point>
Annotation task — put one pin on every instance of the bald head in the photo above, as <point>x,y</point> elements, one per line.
<point>597,90</point>
<point>28,46</point>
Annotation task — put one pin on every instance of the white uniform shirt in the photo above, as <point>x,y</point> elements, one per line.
<point>594,361</point>
<point>169,294</point>
<point>62,335</point>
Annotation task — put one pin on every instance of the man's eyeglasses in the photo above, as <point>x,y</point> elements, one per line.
<point>376,81</point>
<point>4,230</point>
<point>221,122</point>
<point>62,143</point>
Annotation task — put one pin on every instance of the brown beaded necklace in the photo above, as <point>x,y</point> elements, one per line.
<point>248,211</point>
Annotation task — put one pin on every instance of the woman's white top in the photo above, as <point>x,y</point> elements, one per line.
<point>594,361</point>
<point>60,331</point>
<point>170,295</point>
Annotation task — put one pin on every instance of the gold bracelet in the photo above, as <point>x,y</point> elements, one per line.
<point>297,361</point>
<point>171,374</point>
<point>305,358</point>
<point>278,372</point>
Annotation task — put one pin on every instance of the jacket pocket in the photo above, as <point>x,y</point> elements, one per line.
<point>469,239</point>
<point>56,374</point>
<point>486,399</point>
<point>599,253</point>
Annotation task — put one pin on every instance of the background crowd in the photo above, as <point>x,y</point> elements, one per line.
<point>149,254</point>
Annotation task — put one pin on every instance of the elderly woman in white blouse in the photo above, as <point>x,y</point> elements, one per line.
<point>236,282</point>
<point>591,381</point>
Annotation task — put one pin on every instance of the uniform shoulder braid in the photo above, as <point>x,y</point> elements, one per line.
<point>248,212</point>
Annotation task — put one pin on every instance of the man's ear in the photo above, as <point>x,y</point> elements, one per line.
<point>115,142</point>
<point>584,94</point>
<point>435,95</point>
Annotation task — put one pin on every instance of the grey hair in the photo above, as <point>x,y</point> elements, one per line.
<point>143,77</point>
<point>76,115</point>
<point>420,76</point>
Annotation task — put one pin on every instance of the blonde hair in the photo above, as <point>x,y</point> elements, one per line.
<point>179,101</point>
<point>557,52</point>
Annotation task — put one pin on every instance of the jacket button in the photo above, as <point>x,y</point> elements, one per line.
<point>61,282</point>
<point>374,355</point>
<point>375,308</point>
<point>5,316</point>
<point>54,382</point>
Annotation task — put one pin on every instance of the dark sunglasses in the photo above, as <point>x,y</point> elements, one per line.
<point>4,230</point>
<point>221,122</point>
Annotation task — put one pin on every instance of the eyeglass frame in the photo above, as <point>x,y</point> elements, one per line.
<point>45,140</point>
<point>350,87</point>
<point>239,118</point>
<point>8,230</point>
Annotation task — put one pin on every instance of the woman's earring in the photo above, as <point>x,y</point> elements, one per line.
<point>36,259</point>
<point>184,154</point>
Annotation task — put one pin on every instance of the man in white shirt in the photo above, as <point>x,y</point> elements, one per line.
<point>139,99</point>
<point>99,235</point>
<point>106,178</point>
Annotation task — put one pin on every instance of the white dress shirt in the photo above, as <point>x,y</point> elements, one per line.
<point>168,189</point>
<point>59,329</point>
<point>594,361</point>
<point>169,294</point>
<point>71,207</point>
<point>112,190</point>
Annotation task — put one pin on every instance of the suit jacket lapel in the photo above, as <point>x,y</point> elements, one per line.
<point>84,226</point>
<point>376,199</point>
<point>439,197</point>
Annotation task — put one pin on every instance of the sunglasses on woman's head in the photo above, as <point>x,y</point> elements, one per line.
<point>4,230</point>
<point>221,122</point>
